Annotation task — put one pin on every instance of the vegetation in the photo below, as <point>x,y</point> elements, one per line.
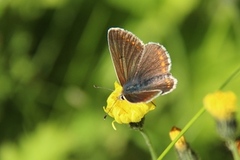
<point>52,52</point>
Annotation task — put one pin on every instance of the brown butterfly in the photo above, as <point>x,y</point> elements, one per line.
<point>143,70</point>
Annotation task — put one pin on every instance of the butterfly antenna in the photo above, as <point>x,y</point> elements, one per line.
<point>99,87</point>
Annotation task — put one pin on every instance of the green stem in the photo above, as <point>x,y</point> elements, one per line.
<point>188,125</point>
<point>230,78</point>
<point>233,148</point>
<point>149,144</point>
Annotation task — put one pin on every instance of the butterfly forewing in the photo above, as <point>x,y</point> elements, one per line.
<point>126,52</point>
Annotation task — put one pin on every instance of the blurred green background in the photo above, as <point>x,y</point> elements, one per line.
<point>52,52</point>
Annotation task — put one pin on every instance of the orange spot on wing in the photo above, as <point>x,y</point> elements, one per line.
<point>163,64</point>
<point>161,57</point>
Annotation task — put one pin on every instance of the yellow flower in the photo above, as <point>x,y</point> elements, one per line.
<point>221,105</point>
<point>122,110</point>
<point>181,144</point>
<point>183,149</point>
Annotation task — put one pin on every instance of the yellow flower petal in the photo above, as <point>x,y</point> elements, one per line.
<point>122,110</point>
<point>221,105</point>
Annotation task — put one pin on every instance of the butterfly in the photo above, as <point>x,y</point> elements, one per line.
<point>143,70</point>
